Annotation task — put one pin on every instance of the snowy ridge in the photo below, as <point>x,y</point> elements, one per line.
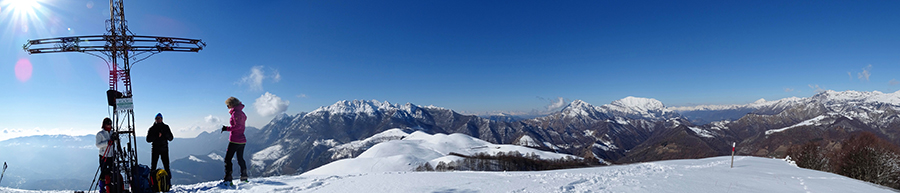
<point>850,96</point>
<point>709,175</point>
<point>869,107</point>
<point>215,156</point>
<point>826,97</point>
<point>755,105</point>
<point>578,108</point>
<point>701,132</point>
<point>527,141</point>
<point>813,121</point>
<point>346,150</point>
<point>356,107</point>
<point>192,158</point>
<point>268,154</point>
<point>416,149</point>
<point>872,108</point>
<point>628,107</point>
<point>635,107</point>
<point>370,107</point>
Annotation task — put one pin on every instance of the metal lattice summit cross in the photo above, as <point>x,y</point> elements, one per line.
<point>120,49</point>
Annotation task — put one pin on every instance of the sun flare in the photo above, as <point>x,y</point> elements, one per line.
<point>22,16</point>
<point>22,5</point>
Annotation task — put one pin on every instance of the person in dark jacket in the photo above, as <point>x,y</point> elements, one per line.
<point>160,135</point>
<point>237,140</point>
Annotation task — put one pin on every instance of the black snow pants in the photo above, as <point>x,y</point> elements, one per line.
<point>160,152</point>
<point>232,149</point>
<point>106,166</point>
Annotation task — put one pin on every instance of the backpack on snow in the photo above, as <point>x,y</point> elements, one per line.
<point>141,182</point>
<point>159,181</point>
<point>111,183</point>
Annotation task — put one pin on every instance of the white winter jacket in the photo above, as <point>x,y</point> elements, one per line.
<point>103,143</point>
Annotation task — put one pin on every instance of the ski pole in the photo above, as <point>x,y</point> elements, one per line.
<point>4,172</point>
<point>101,165</point>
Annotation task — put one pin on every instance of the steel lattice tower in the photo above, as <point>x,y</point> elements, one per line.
<point>120,49</point>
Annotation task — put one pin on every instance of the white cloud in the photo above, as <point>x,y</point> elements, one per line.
<point>850,76</point>
<point>212,119</point>
<point>301,96</point>
<point>894,82</point>
<point>193,128</point>
<point>864,75</point>
<point>559,103</point>
<point>788,89</point>
<point>817,88</point>
<point>276,76</point>
<point>268,104</point>
<point>256,77</point>
<point>208,123</point>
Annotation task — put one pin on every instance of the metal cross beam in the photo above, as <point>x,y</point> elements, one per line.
<point>77,44</point>
<point>120,49</point>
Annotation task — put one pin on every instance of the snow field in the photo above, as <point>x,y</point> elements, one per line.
<point>750,174</point>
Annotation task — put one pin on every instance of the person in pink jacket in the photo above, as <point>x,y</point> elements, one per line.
<point>237,140</point>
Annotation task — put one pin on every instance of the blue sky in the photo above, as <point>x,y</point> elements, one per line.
<point>470,56</point>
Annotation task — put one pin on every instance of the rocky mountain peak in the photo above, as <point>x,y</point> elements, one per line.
<point>638,108</point>
<point>357,107</point>
<point>578,107</point>
<point>578,104</point>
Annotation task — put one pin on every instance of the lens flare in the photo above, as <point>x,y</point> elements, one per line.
<point>24,5</point>
<point>23,70</point>
<point>23,16</point>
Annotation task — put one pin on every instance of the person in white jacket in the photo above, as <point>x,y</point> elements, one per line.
<point>105,141</point>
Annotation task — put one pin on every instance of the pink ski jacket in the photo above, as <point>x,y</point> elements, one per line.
<point>238,118</point>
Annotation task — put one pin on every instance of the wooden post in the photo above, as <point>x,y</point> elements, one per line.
<point>732,153</point>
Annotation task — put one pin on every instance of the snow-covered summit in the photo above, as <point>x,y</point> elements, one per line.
<point>637,104</point>
<point>628,107</point>
<point>356,107</point>
<point>369,107</point>
<point>761,100</point>
<point>636,107</point>
<point>850,96</point>
<point>578,108</point>
<point>755,105</point>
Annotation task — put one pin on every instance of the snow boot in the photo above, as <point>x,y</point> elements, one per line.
<point>244,179</point>
<point>226,184</point>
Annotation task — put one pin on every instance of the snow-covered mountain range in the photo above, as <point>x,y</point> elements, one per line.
<point>628,130</point>
<point>841,102</point>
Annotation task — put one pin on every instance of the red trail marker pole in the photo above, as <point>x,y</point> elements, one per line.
<point>732,153</point>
